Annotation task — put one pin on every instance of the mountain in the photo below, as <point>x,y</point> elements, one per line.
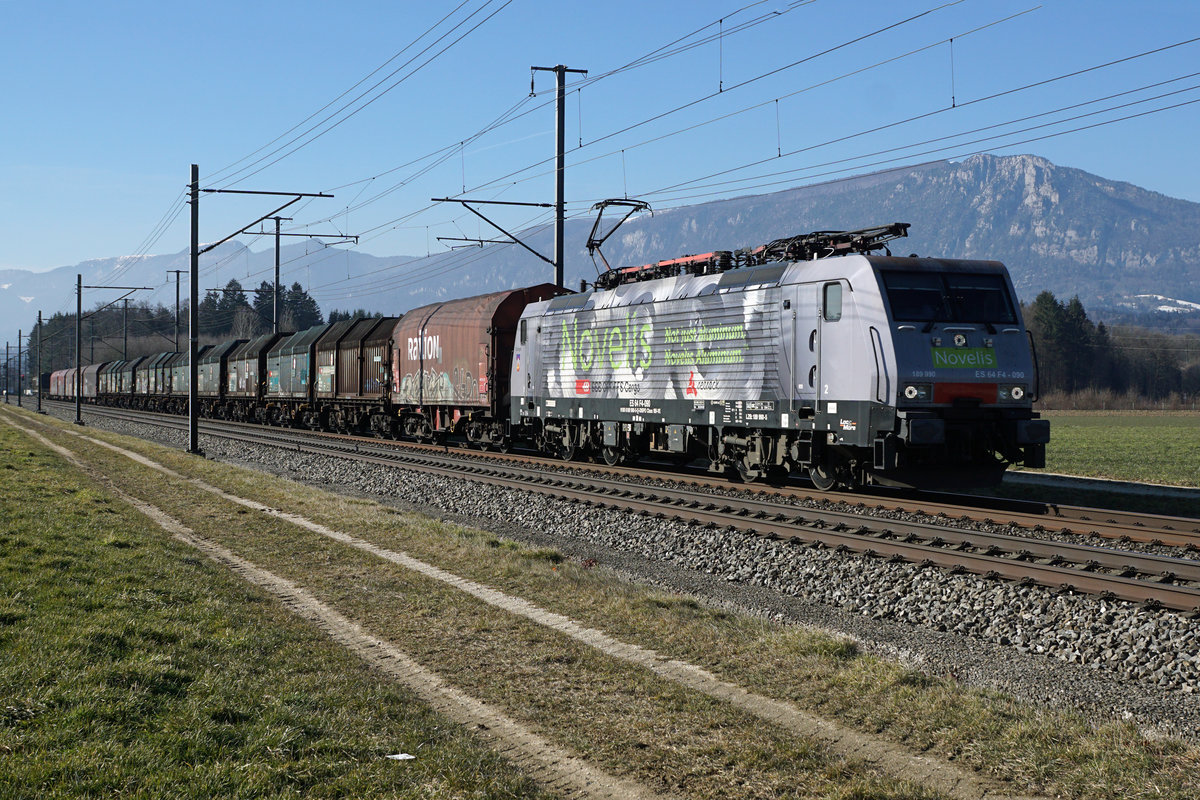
<point>1056,228</point>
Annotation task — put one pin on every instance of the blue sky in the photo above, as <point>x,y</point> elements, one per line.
<point>107,105</point>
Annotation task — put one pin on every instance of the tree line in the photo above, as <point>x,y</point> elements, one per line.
<point>118,331</point>
<point>1087,364</point>
<point>1081,363</point>
<point>230,314</point>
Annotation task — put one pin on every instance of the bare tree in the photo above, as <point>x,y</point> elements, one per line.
<point>246,324</point>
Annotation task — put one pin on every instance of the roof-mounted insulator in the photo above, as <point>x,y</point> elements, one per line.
<point>702,264</point>
<point>805,247</point>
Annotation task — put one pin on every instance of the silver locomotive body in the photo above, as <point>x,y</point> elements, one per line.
<point>856,369</point>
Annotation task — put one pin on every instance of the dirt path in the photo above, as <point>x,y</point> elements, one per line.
<point>543,761</point>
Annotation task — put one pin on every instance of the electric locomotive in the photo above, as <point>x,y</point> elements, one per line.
<point>811,353</point>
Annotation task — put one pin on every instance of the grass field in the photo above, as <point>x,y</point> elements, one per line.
<point>1138,446</point>
<point>131,666</point>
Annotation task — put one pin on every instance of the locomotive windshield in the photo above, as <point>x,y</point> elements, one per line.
<point>948,297</point>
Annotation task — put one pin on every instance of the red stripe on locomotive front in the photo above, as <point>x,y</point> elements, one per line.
<point>949,392</point>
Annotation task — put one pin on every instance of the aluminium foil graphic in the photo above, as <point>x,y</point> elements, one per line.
<point>685,338</point>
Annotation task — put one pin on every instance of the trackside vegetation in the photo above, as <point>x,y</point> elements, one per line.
<point>1086,364</point>
<point>132,667</point>
<point>619,717</point>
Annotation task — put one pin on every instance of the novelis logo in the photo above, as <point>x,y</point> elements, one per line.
<point>964,357</point>
<point>615,346</point>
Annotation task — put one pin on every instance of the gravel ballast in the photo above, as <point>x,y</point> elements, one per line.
<point>1113,659</point>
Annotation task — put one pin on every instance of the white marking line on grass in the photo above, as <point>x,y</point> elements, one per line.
<point>544,761</point>
<point>890,758</point>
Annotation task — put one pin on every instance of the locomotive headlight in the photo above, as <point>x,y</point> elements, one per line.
<point>918,392</point>
<point>1011,393</point>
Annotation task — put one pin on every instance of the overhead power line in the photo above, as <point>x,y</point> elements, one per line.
<point>444,153</point>
<point>331,121</point>
<point>696,182</point>
<point>746,109</point>
<point>217,175</point>
<point>977,100</point>
<point>946,151</point>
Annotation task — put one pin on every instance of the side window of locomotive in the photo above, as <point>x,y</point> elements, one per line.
<point>522,331</point>
<point>832,306</point>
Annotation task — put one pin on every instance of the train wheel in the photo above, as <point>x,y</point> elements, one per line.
<point>566,450</point>
<point>822,477</point>
<point>611,455</point>
<point>747,473</point>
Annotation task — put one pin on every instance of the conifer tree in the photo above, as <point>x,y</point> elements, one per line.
<point>304,310</point>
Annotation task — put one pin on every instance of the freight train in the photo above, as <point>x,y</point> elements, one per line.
<point>810,354</point>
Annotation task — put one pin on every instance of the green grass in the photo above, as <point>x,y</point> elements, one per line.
<point>626,719</point>
<point>619,716</point>
<point>1129,446</point>
<point>131,667</point>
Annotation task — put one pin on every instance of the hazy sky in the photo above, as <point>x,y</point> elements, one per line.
<point>107,105</point>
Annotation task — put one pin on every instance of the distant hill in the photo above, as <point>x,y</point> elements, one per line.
<point>1056,228</point>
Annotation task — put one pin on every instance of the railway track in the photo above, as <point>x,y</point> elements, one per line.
<point>1051,518</point>
<point>1108,523</point>
<point>1153,579</point>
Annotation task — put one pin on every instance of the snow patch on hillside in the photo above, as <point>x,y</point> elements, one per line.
<point>1169,304</point>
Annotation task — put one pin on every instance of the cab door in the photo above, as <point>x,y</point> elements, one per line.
<point>834,349</point>
<point>804,317</point>
<point>524,375</point>
<point>849,372</point>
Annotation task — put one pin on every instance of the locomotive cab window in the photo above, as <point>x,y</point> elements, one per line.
<point>832,305</point>
<point>522,331</point>
<point>948,297</point>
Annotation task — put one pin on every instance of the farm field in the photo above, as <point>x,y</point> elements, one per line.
<point>1142,446</point>
<point>137,666</point>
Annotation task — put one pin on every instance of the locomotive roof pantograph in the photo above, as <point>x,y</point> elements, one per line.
<point>804,247</point>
